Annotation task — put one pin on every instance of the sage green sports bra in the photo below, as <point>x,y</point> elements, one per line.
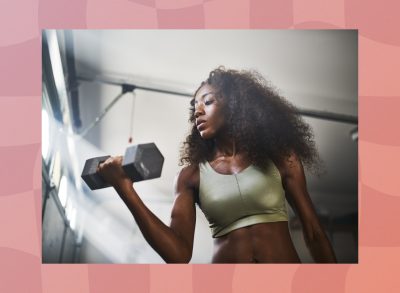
<point>247,198</point>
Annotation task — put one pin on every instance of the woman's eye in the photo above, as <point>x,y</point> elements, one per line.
<point>209,102</point>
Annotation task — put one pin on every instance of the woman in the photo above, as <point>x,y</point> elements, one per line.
<point>242,159</point>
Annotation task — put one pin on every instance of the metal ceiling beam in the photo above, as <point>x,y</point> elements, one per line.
<point>325,115</point>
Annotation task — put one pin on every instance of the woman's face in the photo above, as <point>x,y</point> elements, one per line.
<point>208,112</point>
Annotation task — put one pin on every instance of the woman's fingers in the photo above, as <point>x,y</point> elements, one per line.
<point>111,161</point>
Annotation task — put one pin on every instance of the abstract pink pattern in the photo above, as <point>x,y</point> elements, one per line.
<point>19,271</point>
<point>376,227</point>
<point>65,278</point>
<point>189,17</point>
<point>20,69</point>
<point>381,118</point>
<point>217,277</point>
<point>122,278</point>
<point>18,21</point>
<point>263,14</point>
<point>320,278</point>
<point>378,21</point>
<point>149,3</point>
<point>379,157</point>
<point>377,271</point>
<point>378,68</point>
<point>126,14</point>
<point>378,167</point>
<point>24,114</point>
<point>234,17</point>
<point>331,12</point>
<point>22,231</point>
<point>17,177</point>
<point>163,278</point>
<point>177,4</point>
<point>261,278</point>
<point>62,14</point>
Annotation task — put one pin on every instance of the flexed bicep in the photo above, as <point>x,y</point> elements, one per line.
<point>183,214</point>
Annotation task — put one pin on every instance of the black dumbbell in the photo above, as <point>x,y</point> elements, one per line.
<point>141,162</point>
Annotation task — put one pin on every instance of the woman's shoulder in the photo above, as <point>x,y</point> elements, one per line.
<point>288,164</point>
<point>188,176</point>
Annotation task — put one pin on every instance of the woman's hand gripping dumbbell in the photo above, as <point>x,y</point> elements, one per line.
<point>140,162</point>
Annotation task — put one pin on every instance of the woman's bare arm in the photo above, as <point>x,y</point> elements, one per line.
<point>174,243</point>
<point>295,186</point>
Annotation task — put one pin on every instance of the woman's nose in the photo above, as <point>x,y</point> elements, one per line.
<point>198,112</point>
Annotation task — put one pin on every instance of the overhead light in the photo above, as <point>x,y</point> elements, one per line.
<point>70,213</point>
<point>62,191</point>
<point>45,134</point>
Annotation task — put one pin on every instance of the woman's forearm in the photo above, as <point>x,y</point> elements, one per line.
<point>160,237</point>
<point>320,248</point>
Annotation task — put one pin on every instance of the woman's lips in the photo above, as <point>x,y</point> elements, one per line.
<point>201,125</point>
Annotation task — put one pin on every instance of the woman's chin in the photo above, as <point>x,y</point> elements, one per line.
<point>206,134</point>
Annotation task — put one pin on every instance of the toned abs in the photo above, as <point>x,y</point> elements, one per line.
<point>259,243</point>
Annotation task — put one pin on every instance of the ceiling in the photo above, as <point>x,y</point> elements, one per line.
<point>315,70</point>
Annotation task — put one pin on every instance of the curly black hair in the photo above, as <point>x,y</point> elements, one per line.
<point>263,124</point>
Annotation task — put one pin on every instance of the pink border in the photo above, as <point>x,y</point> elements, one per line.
<point>379,145</point>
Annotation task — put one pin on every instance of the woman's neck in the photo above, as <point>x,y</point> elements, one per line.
<point>225,147</point>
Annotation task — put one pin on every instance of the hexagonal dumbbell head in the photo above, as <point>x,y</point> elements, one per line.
<point>143,162</point>
<point>90,176</point>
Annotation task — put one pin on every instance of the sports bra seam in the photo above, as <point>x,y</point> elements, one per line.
<point>241,195</point>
